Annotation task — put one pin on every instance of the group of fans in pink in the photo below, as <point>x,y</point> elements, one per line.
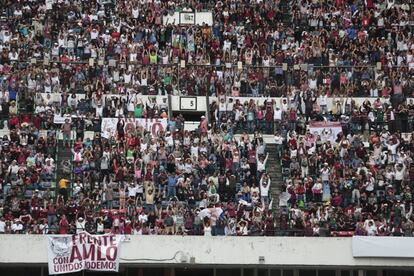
<point>252,166</point>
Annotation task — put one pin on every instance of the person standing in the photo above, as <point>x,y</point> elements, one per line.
<point>66,132</point>
<point>63,225</point>
<point>264,189</point>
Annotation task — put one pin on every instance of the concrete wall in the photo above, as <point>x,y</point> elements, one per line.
<point>277,251</point>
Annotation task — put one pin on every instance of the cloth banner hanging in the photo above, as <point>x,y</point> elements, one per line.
<point>72,253</point>
<point>326,130</point>
<point>109,125</point>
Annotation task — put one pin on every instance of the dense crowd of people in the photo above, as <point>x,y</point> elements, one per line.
<point>209,182</point>
<point>47,46</point>
<point>352,186</point>
<point>177,182</point>
<point>268,115</point>
<point>66,65</point>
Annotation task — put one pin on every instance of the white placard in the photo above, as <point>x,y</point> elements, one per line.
<point>59,119</point>
<point>187,18</point>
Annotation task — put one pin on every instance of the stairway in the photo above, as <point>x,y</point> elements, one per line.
<point>64,153</point>
<point>285,7</point>
<point>274,169</point>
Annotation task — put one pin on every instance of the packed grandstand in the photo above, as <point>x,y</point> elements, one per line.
<point>80,80</point>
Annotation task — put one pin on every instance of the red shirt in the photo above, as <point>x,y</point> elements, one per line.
<point>128,229</point>
<point>37,121</point>
<point>14,121</point>
<point>252,156</point>
<point>63,226</point>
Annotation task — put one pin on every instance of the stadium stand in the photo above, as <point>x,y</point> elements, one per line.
<point>307,129</point>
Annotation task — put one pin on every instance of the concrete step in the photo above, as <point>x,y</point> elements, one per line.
<point>275,172</point>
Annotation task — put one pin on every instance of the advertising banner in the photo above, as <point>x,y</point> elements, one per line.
<point>109,125</point>
<point>71,253</point>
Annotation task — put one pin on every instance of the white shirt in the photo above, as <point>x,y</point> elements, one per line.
<point>169,140</point>
<point>393,147</point>
<point>44,228</point>
<point>278,140</point>
<point>222,107</point>
<point>399,174</point>
<point>140,188</point>
<point>80,226</point>
<point>325,173</point>
<point>100,228</point>
<point>323,100</point>
<point>317,187</point>
<point>264,187</point>
<point>261,166</point>
<point>17,227</point>
<point>132,191</point>
<point>2,226</point>
<point>143,218</point>
<point>312,84</point>
<point>226,45</point>
<point>371,230</point>
<point>277,115</point>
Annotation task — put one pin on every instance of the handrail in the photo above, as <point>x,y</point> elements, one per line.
<point>57,162</point>
<point>177,64</point>
<point>71,143</point>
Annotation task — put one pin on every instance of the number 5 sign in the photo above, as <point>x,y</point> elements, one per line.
<point>188,103</point>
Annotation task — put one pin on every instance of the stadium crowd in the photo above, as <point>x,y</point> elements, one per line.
<point>87,60</point>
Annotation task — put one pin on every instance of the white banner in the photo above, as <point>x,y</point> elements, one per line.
<point>108,127</point>
<point>327,130</point>
<point>59,119</point>
<point>71,253</point>
<point>382,247</point>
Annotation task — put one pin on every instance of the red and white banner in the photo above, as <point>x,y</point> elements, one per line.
<point>326,130</point>
<point>109,129</point>
<point>71,253</point>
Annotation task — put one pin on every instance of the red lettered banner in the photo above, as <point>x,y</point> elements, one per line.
<point>71,253</point>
